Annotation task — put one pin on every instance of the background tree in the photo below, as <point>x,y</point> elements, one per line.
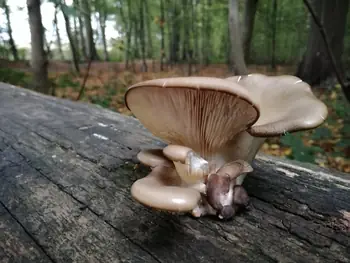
<point>316,65</point>
<point>237,58</point>
<point>3,4</point>
<point>248,25</point>
<point>86,11</point>
<point>39,61</point>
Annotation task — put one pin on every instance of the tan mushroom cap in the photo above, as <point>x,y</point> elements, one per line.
<point>161,189</point>
<point>287,104</point>
<point>201,113</point>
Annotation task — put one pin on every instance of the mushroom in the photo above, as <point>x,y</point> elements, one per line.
<point>160,189</point>
<point>214,128</point>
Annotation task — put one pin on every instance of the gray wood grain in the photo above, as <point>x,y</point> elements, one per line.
<point>65,173</point>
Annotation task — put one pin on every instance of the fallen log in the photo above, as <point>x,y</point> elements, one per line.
<point>66,169</point>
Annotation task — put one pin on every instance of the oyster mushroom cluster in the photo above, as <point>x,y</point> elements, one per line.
<point>214,128</point>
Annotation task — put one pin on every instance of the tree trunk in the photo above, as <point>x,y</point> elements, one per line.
<point>9,31</point>
<point>195,34</point>
<point>248,26</point>
<point>58,37</point>
<point>207,33</point>
<point>273,39</point>
<point>71,42</point>
<point>147,18</point>
<point>102,20</point>
<point>316,66</point>
<point>76,36</point>
<point>39,61</point>
<point>92,53</point>
<point>175,41</point>
<point>162,44</point>
<point>82,40</point>
<point>237,58</point>
<point>142,35</point>
<point>187,50</point>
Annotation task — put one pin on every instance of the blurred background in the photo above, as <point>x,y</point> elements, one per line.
<point>93,50</point>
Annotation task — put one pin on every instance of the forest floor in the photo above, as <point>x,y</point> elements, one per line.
<point>327,146</point>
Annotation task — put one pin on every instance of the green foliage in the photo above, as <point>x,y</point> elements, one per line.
<point>300,151</point>
<point>321,133</point>
<point>66,80</point>
<point>14,77</point>
<point>101,100</point>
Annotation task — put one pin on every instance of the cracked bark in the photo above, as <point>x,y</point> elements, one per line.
<point>65,192</point>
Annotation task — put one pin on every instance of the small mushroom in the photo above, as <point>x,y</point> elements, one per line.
<point>161,188</point>
<point>214,128</point>
<point>222,194</point>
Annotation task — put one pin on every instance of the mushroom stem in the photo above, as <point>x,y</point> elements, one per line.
<point>160,189</point>
<point>153,158</point>
<point>190,166</point>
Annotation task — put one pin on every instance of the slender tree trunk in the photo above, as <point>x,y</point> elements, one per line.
<point>207,33</point>
<point>169,29</point>
<point>248,26</point>
<point>316,66</point>
<point>162,44</point>
<point>103,18</point>
<point>9,31</point>
<point>89,32</point>
<point>58,37</point>
<point>175,41</point>
<point>274,29</point>
<point>39,61</point>
<point>128,32</point>
<point>237,57</point>
<point>142,35</point>
<point>195,34</point>
<point>136,38</point>
<point>148,17</point>
<point>82,41</point>
<point>71,42</point>
<point>76,36</point>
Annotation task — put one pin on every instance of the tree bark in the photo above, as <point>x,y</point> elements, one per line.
<point>74,51</point>
<point>67,169</point>
<point>237,58</point>
<point>92,53</point>
<point>316,66</point>
<point>58,37</point>
<point>9,31</point>
<point>248,26</point>
<point>39,61</point>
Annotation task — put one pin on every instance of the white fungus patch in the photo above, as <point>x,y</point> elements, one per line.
<point>287,173</point>
<point>102,124</point>
<point>101,137</point>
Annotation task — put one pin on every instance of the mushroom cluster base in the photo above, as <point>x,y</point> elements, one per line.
<point>182,181</point>
<point>214,128</point>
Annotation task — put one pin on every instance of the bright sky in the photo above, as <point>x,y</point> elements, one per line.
<point>20,26</point>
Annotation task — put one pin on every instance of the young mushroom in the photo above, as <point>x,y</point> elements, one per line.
<point>214,128</point>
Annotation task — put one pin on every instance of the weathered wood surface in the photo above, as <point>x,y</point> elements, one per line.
<point>65,173</point>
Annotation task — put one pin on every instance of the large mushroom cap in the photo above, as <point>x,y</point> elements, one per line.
<point>198,112</point>
<point>286,104</point>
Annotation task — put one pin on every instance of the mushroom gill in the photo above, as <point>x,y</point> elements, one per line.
<point>201,113</point>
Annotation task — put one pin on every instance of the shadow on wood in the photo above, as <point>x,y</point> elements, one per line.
<point>65,174</point>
